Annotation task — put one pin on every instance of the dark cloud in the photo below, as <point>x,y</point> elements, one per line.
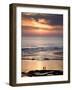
<point>51,24</point>
<point>52,19</point>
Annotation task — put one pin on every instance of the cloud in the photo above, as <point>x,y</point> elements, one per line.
<point>53,19</point>
<point>54,28</point>
<point>47,24</point>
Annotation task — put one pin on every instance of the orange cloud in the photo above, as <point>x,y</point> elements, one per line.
<point>40,27</point>
<point>42,20</point>
<point>33,23</point>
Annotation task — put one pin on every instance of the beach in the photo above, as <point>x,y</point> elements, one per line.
<point>42,54</point>
<point>29,65</point>
<point>41,44</point>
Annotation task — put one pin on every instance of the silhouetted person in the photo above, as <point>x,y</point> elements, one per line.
<point>44,68</point>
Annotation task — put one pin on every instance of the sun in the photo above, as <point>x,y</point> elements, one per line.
<point>40,30</point>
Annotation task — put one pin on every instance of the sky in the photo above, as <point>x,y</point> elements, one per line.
<point>40,24</point>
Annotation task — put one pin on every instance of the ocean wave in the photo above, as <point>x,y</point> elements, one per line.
<point>42,53</point>
<point>37,49</point>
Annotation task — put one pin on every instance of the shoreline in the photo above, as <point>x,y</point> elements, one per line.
<point>29,65</point>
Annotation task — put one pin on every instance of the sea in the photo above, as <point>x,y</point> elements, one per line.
<point>41,52</point>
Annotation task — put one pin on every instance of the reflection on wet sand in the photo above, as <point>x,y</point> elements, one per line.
<point>29,65</point>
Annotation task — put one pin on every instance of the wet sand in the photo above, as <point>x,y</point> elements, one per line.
<point>29,65</point>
